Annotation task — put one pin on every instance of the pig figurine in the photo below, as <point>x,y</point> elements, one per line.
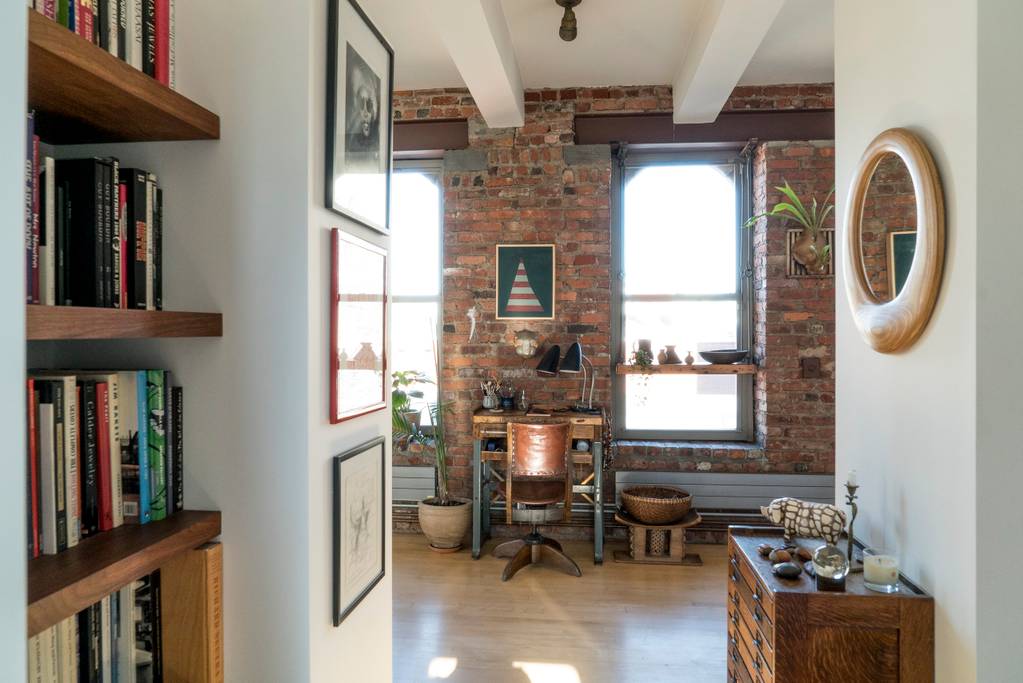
<point>809,520</point>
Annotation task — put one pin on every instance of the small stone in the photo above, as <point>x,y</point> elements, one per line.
<point>779,556</point>
<point>788,570</point>
<point>764,549</point>
<point>804,554</point>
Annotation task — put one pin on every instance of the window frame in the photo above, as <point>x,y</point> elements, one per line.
<point>628,158</point>
<point>430,167</point>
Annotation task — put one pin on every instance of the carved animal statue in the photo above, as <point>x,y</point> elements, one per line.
<point>809,520</point>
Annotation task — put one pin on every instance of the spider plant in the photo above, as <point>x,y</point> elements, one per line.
<point>812,219</point>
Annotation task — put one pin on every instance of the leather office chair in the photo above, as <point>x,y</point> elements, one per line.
<point>538,477</point>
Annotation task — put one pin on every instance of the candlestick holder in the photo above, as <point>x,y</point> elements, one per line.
<point>855,566</point>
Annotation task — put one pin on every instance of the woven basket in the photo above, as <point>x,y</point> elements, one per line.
<point>656,504</point>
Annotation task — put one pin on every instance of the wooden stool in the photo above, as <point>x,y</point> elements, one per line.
<point>658,543</point>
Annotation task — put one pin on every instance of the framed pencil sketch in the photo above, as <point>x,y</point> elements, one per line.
<point>525,281</point>
<point>360,74</point>
<point>359,517</point>
<point>358,362</point>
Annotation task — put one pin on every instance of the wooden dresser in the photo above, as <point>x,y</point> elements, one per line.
<point>785,631</point>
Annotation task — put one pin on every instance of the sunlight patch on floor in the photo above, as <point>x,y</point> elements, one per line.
<point>442,667</point>
<point>548,672</point>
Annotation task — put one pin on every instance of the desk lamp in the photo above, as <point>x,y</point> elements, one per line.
<point>574,362</point>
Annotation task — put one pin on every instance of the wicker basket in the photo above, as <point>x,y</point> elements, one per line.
<point>656,504</point>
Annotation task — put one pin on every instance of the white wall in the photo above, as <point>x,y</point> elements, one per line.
<point>999,325</point>
<point>360,649</point>
<point>12,340</point>
<point>908,422</point>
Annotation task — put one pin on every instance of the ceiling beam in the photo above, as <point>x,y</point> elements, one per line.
<point>475,33</point>
<point>723,42</point>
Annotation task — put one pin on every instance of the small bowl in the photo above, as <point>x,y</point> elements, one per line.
<point>724,356</point>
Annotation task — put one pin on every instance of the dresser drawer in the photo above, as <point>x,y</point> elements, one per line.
<point>751,661</point>
<point>744,595</point>
<point>738,612</point>
<point>737,672</point>
<point>760,593</point>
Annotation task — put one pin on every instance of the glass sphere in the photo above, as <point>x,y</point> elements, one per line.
<point>830,563</point>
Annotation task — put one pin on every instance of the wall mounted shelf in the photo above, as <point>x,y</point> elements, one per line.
<point>61,585</point>
<point>83,94</point>
<point>79,322</point>
<point>699,369</point>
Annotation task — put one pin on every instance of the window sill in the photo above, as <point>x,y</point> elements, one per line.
<point>672,454</point>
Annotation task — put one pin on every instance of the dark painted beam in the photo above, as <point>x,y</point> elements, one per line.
<point>729,127</point>
<point>421,136</point>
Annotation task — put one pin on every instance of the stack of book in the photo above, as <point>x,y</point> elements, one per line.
<point>93,232</point>
<point>140,32</point>
<point>105,448</point>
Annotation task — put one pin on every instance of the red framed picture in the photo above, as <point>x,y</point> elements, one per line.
<point>358,360</point>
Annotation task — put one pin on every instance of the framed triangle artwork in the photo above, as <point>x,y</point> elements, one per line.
<point>525,281</point>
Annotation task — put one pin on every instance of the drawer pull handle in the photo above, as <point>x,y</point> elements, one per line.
<point>732,654</point>
<point>733,561</point>
<point>731,639</point>
<point>756,614</point>
<point>756,641</point>
<point>734,577</point>
<point>756,595</point>
<point>735,599</point>
<point>756,663</point>
<point>735,621</point>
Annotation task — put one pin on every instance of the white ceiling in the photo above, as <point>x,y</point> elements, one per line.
<point>620,42</point>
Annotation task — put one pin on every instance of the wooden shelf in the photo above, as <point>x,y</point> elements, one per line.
<point>699,369</point>
<point>61,585</point>
<point>82,93</point>
<point>79,322</point>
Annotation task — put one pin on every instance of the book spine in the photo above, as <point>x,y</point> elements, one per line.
<point>28,206</point>
<point>49,266</point>
<point>61,262</point>
<point>122,29</point>
<point>36,237</point>
<point>32,470</point>
<point>72,457</point>
<point>106,497</point>
<point>173,78</point>
<point>48,475</point>
<point>157,445</point>
<point>158,250</point>
<point>67,649</point>
<point>101,30</point>
<point>150,251</point>
<point>161,69</point>
<point>51,666</point>
<point>177,399</point>
<point>90,465</point>
<point>157,628</point>
<point>86,22</point>
<point>133,26</point>
<point>112,207</point>
<point>73,7</point>
<point>35,660</point>
<point>62,13</point>
<point>129,446</point>
<point>63,485</point>
<point>49,8</point>
<point>111,671</point>
<point>104,639</point>
<point>123,239</point>
<point>126,635</point>
<point>114,449</point>
<point>113,22</point>
<point>104,202</point>
<point>149,37</point>
<point>136,234</point>
<point>143,447</point>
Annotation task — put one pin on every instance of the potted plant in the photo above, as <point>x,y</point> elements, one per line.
<point>444,519</point>
<point>810,250</point>
<point>405,419</point>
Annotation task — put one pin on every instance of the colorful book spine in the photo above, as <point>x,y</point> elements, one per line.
<point>48,258</point>
<point>149,37</point>
<point>90,461</point>
<point>106,497</point>
<point>48,472</point>
<point>62,494</point>
<point>157,444</point>
<point>32,469</point>
<point>35,220</point>
<point>178,457</point>
<point>142,402</point>
<point>28,207</point>
<point>161,68</point>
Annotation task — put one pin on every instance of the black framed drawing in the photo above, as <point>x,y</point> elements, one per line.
<point>360,76</point>
<point>359,551</point>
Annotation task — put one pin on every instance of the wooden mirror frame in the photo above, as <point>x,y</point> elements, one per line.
<point>891,326</point>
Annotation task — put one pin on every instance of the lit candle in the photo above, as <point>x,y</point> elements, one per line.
<point>880,571</point>
<point>851,479</point>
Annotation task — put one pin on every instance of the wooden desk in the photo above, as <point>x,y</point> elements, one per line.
<point>489,425</point>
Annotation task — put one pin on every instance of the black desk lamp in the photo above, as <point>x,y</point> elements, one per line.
<point>574,362</point>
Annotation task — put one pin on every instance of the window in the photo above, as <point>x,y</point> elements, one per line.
<point>416,272</point>
<point>684,261</point>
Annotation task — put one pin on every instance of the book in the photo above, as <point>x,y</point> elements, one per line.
<point>122,28</point>
<point>149,37</point>
<point>62,483</point>
<point>90,459</point>
<point>103,466</point>
<point>67,649</point>
<point>61,264</point>
<point>83,179</point>
<point>158,249</point>
<point>85,20</point>
<point>177,411</point>
<point>35,220</point>
<point>133,24</point>
<point>66,444</point>
<point>147,627</point>
<point>35,659</point>
<point>63,13</point>
<point>191,587</point>
<point>32,470</point>
<point>150,252</point>
<point>161,49</point>
<point>48,472</point>
<point>112,194</point>
<point>89,636</point>
<point>111,451</point>
<point>29,183</point>
<point>49,668</point>
<point>125,661</point>
<point>135,447</point>
<point>103,193</point>
<point>137,210</point>
<point>48,236</point>
<point>173,80</point>
<point>157,444</point>
<point>123,241</point>
<point>105,654</point>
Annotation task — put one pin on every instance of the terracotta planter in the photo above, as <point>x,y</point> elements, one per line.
<point>445,525</point>
<point>807,252</point>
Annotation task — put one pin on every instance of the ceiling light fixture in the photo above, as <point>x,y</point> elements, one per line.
<point>568,30</point>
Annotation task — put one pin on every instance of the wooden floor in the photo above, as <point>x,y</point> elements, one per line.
<point>454,620</point>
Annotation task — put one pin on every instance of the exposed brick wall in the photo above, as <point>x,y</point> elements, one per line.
<point>890,206</point>
<point>529,194</point>
<point>794,318</point>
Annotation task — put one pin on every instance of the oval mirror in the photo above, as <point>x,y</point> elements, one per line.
<point>894,240</point>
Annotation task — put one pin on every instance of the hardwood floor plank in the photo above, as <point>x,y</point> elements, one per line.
<point>618,622</point>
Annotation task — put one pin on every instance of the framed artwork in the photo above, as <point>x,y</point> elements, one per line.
<point>525,281</point>
<point>360,74</point>
<point>359,518</point>
<point>358,298</point>
<point>901,249</point>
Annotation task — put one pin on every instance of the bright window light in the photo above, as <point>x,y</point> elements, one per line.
<point>548,672</point>
<point>442,667</point>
